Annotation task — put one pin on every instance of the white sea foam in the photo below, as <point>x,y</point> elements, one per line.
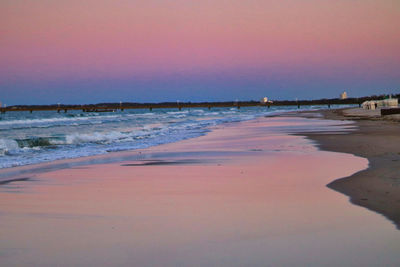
<point>8,145</point>
<point>96,137</point>
<point>198,110</point>
<point>49,122</point>
<point>178,112</point>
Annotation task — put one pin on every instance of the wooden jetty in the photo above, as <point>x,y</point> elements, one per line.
<point>113,107</point>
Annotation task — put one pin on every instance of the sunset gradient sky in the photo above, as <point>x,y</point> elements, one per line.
<point>88,51</point>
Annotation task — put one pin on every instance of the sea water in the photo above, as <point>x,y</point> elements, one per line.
<point>43,136</point>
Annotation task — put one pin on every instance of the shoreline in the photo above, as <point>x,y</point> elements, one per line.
<point>364,188</point>
<point>57,138</point>
<point>377,139</point>
<point>244,194</point>
<point>8,174</point>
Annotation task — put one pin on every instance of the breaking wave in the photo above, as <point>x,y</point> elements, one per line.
<point>7,146</point>
<point>48,136</point>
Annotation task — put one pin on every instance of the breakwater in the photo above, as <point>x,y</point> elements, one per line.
<point>110,107</point>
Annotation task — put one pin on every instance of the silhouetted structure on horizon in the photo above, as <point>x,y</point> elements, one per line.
<point>111,107</point>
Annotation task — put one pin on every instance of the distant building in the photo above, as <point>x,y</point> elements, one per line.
<point>388,102</point>
<point>265,100</point>
<point>343,95</point>
<point>374,104</point>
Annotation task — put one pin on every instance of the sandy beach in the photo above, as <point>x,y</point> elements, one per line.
<point>246,194</point>
<point>199,133</point>
<point>378,140</point>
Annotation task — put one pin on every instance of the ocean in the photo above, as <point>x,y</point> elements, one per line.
<point>45,136</point>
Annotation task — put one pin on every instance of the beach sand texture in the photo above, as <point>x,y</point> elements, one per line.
<point>377,139</point>
<point>246,194</point>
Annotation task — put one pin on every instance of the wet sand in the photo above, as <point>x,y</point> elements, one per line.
<point>246,194</point>
<point>378,140</point>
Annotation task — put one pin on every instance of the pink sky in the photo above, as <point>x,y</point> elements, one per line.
<point>53,40</point>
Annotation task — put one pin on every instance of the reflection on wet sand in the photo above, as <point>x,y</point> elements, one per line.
<point>263,201</point>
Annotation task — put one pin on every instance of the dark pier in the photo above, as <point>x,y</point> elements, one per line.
<point>113,107</point>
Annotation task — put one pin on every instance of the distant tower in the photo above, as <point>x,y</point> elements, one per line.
<point>264,100</point>
<point>343,95</point>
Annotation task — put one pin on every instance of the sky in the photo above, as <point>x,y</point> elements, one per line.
<point>90,51</point>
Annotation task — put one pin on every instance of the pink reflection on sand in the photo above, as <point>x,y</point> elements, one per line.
<point>268,205</point>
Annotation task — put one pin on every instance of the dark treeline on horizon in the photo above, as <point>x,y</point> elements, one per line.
<point>323,101</point>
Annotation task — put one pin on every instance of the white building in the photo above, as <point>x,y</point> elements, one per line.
<point>373,104</point>
<point>390,102</point>
<point>343,95</point>
<point>369,105</point>
<point>265,100</point>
